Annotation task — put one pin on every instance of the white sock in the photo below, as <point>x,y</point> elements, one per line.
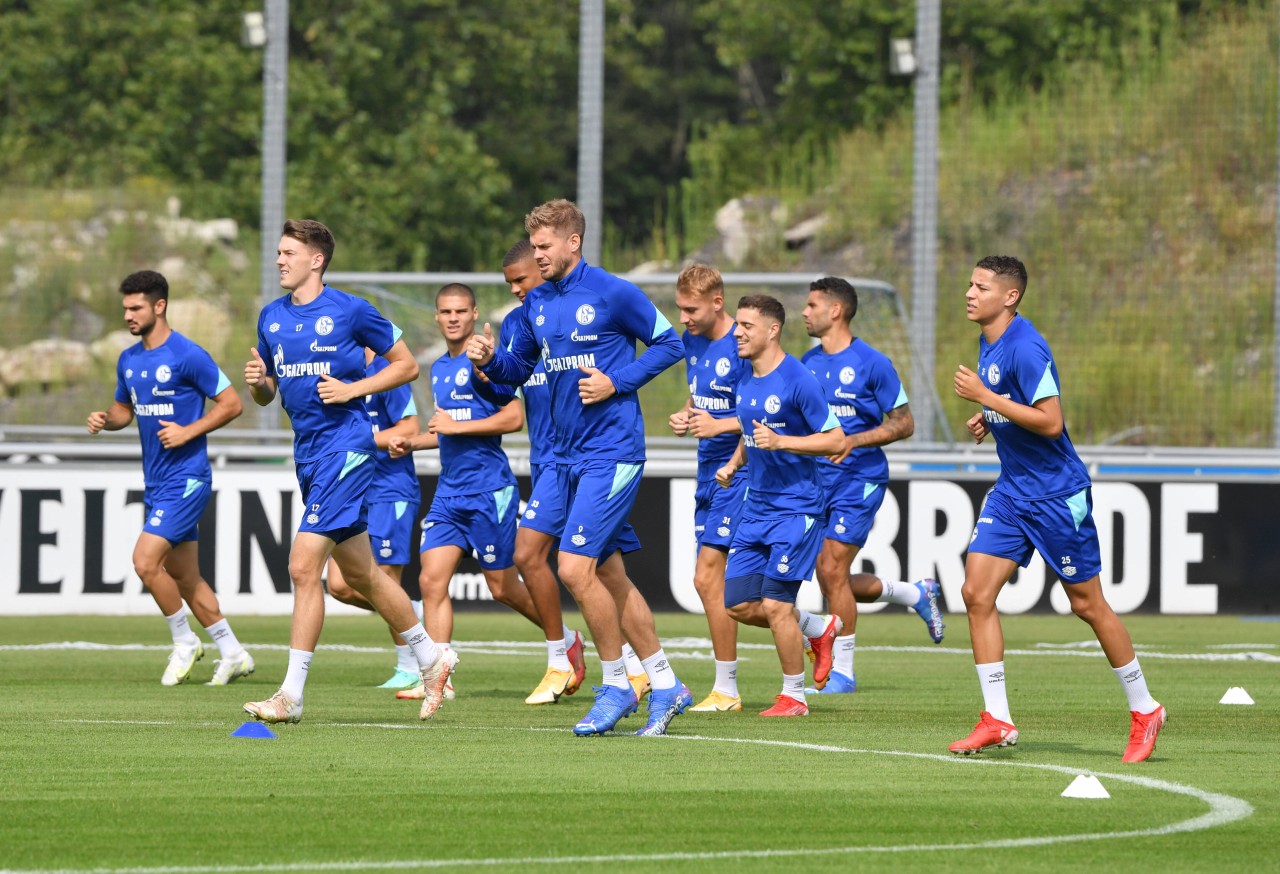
<point>405,660</point>
<point>811,624</point>
<point>727,678</point>
<point>793,686</point>
<point>659,670</point>
<point>615,673</point>
<point>1134,684</point>
<point>843,652</point>
<point>995,700</point>
<point>557,656</point>
<point>417,608</point>
<point>906,594</point>
<point>295,679</point>
<point>181,629</point>
<point>569,636</point>
<point>633,661</point>
<point>225,638</point>
<point>425,651</point>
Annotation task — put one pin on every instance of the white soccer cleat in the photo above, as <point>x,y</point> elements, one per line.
<point>435,683</point>
<point>226,670</point>
<point>278,708</point>
<point>181,661</point>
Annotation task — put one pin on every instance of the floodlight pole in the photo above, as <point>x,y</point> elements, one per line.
<point>1275,319</point>
<point>275,94</point>
<point>924,210</point>
<point>591,124</point>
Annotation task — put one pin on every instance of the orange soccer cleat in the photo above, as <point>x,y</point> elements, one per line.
<point>989,733</point>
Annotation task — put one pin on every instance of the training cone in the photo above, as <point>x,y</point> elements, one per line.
<point>1085,786</point>
<point>253,729</point>
<point>1236,695</point>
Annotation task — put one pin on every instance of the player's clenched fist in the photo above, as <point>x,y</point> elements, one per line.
<point>255,369</point>
<point>97,421</point>
<point>480,346</point>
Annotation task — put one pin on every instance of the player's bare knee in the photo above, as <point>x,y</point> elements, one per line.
<point>976,599</point>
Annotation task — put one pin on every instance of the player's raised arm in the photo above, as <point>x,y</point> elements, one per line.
<point>262,385</point>
<point>641,319</point>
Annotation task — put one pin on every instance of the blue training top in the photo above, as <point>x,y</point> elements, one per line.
<point>394,479</point>
<point>1020,366</point>
<point>789,401</point>
<point>325,337</point>
<point>169,383</point>
<point>469,465</point>
<point>591,318</point>
<point>713,369</point>
<point>861,385</point>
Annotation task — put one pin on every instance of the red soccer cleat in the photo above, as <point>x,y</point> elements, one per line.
<point>1143,733</point>
<point>579,664</point>
<point>785,705</point>
<point>820,650</point>
<point>987,734</point>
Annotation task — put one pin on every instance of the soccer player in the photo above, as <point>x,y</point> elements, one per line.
<point>475,504</point>
<point>786,426</point>
<point>315,337</point>
<point>566,665</point>
<point>392,499</point>
<point>864,392</point>
<point>584,322</point>
<point>713,369</point>
<point>164,380</point>
<point>1041,501</point>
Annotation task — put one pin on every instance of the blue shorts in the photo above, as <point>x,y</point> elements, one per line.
<point>547,510</point>
<point>173,510</point>
<point>771,558</point>
<point>715,510</point>
<point>600,495</point>
<point>850,516</point>
<point>333,489</point>
<point>1060,529</point>
<point>484,523</point>
<point>391,525</point>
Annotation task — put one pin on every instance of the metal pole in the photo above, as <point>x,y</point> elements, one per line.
<point>591,124</point>
<point>275,94</point>
<point>924,211</point>
<point>1275,310</point>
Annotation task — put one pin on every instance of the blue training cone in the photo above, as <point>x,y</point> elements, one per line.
<point>253,729</point>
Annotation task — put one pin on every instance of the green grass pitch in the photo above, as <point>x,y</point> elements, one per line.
<point>103,769</point>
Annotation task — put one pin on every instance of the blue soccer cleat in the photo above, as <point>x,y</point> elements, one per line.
<point>927,608</point>
<point>613,704</point>
<point>664,706</point>
<point>838,683</point>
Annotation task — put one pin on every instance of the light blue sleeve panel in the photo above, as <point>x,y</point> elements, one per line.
<point>1048,387</point>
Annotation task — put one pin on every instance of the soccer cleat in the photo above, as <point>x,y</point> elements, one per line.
<point>1142,735</point>
<point>554,684</point>
<point>664,706</point>
<point>839,684</point>
<point>718,702</point>
<point>402,679</point>
<point>927,607</point>
<point>785,705</point>
<point>278,708</point>
<point>574,654</point>
<point>989,733</point>
<point>435,682</point>
<point>639,685</point>
<point>181,661</point>
<point>820,651</point>
<point>226,670</point>
<point>613,704</point>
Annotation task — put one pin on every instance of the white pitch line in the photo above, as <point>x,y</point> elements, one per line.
<point>1223,809</point>
<point>681,647</point>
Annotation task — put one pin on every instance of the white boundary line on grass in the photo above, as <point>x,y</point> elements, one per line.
<point>1223,809</point>
<point>678,647</point>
